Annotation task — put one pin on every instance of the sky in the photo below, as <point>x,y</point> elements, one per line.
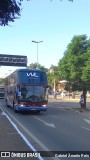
<point>55,23</point>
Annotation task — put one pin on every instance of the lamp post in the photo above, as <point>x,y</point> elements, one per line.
<point>37,49</point>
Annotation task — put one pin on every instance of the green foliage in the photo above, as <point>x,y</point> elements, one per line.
<point>50,80</point>
<point>34,66</point>
<point>10,10</point>
<point>75,64</point>
<point>2,80</point>
<point>53,76</point>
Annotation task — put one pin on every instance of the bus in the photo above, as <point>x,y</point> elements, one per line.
<point>27,90</point>
<point>2,91</point>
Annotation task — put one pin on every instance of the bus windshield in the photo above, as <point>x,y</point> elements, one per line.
<point>32,77</point>
<point>32,93</point>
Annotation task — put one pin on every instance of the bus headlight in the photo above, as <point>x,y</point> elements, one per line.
<point>21,105</point>
<point>44,105</point>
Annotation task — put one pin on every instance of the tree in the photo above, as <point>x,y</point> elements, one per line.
<point>2,80</point>
<point>34,66</point>
<point>75,64</point>
<point>53,77</point>
<point>10,10</point>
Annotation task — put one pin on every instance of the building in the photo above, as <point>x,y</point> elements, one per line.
<point>61,85</point>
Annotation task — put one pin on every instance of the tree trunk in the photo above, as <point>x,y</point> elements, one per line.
<point>54,89</point>
<point>84,95</point>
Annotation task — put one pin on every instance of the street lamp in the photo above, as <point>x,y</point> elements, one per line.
<point>37,49</point>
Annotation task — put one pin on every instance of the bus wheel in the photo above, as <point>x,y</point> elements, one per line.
<point>38,112</point>
<point>14,108</point>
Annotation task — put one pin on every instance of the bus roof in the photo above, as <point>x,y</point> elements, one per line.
<point>29,69</point>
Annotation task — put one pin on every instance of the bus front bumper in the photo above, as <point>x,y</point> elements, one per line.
<point>31,108</point>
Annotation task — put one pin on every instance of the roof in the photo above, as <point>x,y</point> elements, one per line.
<point>29,69</point>
<point>63,81</point>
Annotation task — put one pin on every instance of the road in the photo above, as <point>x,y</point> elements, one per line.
<point>57,129</point>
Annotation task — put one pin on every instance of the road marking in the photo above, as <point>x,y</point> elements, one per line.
<point>65,109</point>
<point>47,124</point>
<point>70,110</point>
<point>54,116</point>
<point>30,134</point>
<point>86,128</point>
<point>86,120</point>
<point>22,135</point>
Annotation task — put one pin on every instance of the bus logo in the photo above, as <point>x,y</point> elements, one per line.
<point>32,75</point>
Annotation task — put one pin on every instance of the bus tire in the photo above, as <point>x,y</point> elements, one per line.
<point>38,112</point>
<point>14,108</point>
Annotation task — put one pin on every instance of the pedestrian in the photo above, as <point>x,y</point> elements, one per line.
<point>81,102</point>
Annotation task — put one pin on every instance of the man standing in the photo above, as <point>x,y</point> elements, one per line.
<point>81,102</point>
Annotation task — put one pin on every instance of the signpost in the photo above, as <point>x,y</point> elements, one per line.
<point>13,60</point>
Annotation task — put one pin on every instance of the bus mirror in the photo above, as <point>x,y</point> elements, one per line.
<point>48,86</point>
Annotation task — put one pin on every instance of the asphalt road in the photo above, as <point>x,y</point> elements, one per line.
<point>57,129</point>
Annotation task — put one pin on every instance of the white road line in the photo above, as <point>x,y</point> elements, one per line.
<point>30,134</point>
<point>87,120</point>
<point>86,128</point>
<point>47,124</point>
<point>53,116</point>
<point>65,109</point>
<point>24,138</point>
<point>70,110</point>
<point>22,135</point>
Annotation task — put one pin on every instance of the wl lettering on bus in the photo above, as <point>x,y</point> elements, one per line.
<point>32,74</point>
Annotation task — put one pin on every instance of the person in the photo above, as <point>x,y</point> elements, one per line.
<point>81,102</point>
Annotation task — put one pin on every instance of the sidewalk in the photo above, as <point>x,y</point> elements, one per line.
<point>10,140</point>
<point>70,104</point>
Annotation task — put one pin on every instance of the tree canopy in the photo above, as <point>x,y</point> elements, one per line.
<point>10,10</point>
<point>75,64</point>
<point>34,66</point>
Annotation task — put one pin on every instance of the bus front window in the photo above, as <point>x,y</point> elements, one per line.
<point>33,93</point>
<point>24,92</point>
